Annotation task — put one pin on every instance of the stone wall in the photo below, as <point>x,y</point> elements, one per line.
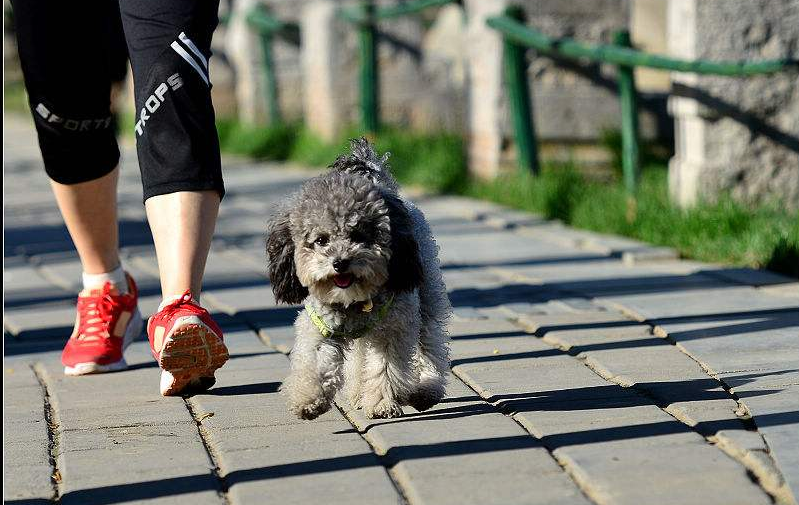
<point>734,134</point>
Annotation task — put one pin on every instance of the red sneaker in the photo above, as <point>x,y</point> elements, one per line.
<point>188,346</point>
<point>106,324</point>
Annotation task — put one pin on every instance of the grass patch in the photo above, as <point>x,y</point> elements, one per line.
<point>435,161</point>
<point>15,98</point>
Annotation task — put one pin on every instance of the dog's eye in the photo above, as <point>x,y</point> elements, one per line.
<point>321,240</point>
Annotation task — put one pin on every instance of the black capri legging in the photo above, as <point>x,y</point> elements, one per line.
<point>72,53</point>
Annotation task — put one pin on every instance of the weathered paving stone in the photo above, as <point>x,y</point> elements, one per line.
<point>26,442</point>
<point>482,455</point>
<point>736,331</point>
<point>120,421</point>
<point>24,285</point>
<point>629,355</point>
<point>600,276</point>
<point>51,322</point>
<point>619,446</point>
<point>119,441</point>
<point>256,306</point>
<point>790,289</point>
<point>267,455</point>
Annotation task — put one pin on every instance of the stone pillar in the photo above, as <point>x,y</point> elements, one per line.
<point>319,63</point>
<point>244,54</point>
<point>735,134</point>
<point>648,31</point>
<point>486,94</point>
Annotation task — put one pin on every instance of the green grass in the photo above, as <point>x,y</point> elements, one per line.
<point>434,161</point>
<point>726,231</point>
<point>15,98</point>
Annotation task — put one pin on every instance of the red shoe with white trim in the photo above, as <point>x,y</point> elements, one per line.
<point>105,325</point>
<point>188,346</point>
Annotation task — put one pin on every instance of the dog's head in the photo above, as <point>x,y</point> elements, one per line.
<point>343,239</point>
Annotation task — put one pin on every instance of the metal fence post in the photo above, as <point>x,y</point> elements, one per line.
<point>519,96</point>
<point>266,26</point>
<point>368,72</point>
<point>629,118</point>
<point>270,79</point>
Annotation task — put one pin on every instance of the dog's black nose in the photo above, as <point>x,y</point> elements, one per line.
<point>340,265</point>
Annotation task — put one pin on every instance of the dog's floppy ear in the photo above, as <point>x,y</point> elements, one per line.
<point>282,271</point>
<point>405,265</point>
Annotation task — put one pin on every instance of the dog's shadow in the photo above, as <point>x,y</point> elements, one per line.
<point>245,389</point>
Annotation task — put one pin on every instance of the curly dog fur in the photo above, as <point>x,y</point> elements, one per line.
<point>364,261</point>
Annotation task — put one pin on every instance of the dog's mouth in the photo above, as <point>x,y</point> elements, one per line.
<point>343,281</point>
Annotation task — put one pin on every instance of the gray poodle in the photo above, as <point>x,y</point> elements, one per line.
<point>365,263</point>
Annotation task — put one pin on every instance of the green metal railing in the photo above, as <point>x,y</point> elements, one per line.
<point>518,38</point>
<point>267,26</point>
<point>365,17</point>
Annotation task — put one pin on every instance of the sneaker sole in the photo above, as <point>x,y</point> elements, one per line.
<point>131,332</point>
<point>190,355</point>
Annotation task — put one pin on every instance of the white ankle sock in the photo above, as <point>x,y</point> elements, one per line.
<point>169,299</point>
<point>115,277</point>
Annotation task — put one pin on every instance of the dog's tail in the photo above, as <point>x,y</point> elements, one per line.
<point>363,160</point>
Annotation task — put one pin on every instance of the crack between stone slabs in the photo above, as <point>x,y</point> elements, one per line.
<point>53,430</point>
<point>213,456</point>
<point>583,487</point>
<point>778,493</point>
<point>756,474</point>
<point>401,493</point>
<point>381,458</point>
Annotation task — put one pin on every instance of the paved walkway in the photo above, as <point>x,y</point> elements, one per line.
<point>586,369</point>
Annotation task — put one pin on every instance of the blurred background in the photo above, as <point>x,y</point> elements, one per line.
<point>523,103</point>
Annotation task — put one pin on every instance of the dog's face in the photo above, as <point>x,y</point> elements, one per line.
<point>343,241</point>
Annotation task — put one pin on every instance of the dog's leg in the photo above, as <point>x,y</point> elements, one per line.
<point>432,356</point>
<point>316,373</point>
<point>388,375</point>
<point>353,366</point>
<point>432,363</point>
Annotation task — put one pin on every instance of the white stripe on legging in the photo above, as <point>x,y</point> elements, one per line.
<point>182,36</point>
<point>182,52</point>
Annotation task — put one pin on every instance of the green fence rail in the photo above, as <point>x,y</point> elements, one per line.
<point>267,26</point>
<point>365,17</point>
<point>518,37</point>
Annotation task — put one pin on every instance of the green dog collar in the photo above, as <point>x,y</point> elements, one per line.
<point>328,332</point>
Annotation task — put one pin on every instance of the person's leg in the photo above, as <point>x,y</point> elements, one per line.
<point>70,55</point>
<point>89,210</point>
<point>176,133</point>
<point>179,159</point>
<point>182,224</point>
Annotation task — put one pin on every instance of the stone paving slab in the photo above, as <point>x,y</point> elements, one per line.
<point>26,440</point>
<point>266,455</point>
<point>587,369</point>
<point>450,444</point>
<point>675,381</point>
<point>605,434</point>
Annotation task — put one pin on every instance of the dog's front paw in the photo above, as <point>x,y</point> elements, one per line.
<point>423,399</point>
<point>311,409</point>
<point>384,409</point>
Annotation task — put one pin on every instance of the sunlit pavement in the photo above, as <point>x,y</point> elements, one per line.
<point>586,369</point>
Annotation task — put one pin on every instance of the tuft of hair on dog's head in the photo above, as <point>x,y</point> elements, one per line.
<point>364,160</point>
<point>343,239</point>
